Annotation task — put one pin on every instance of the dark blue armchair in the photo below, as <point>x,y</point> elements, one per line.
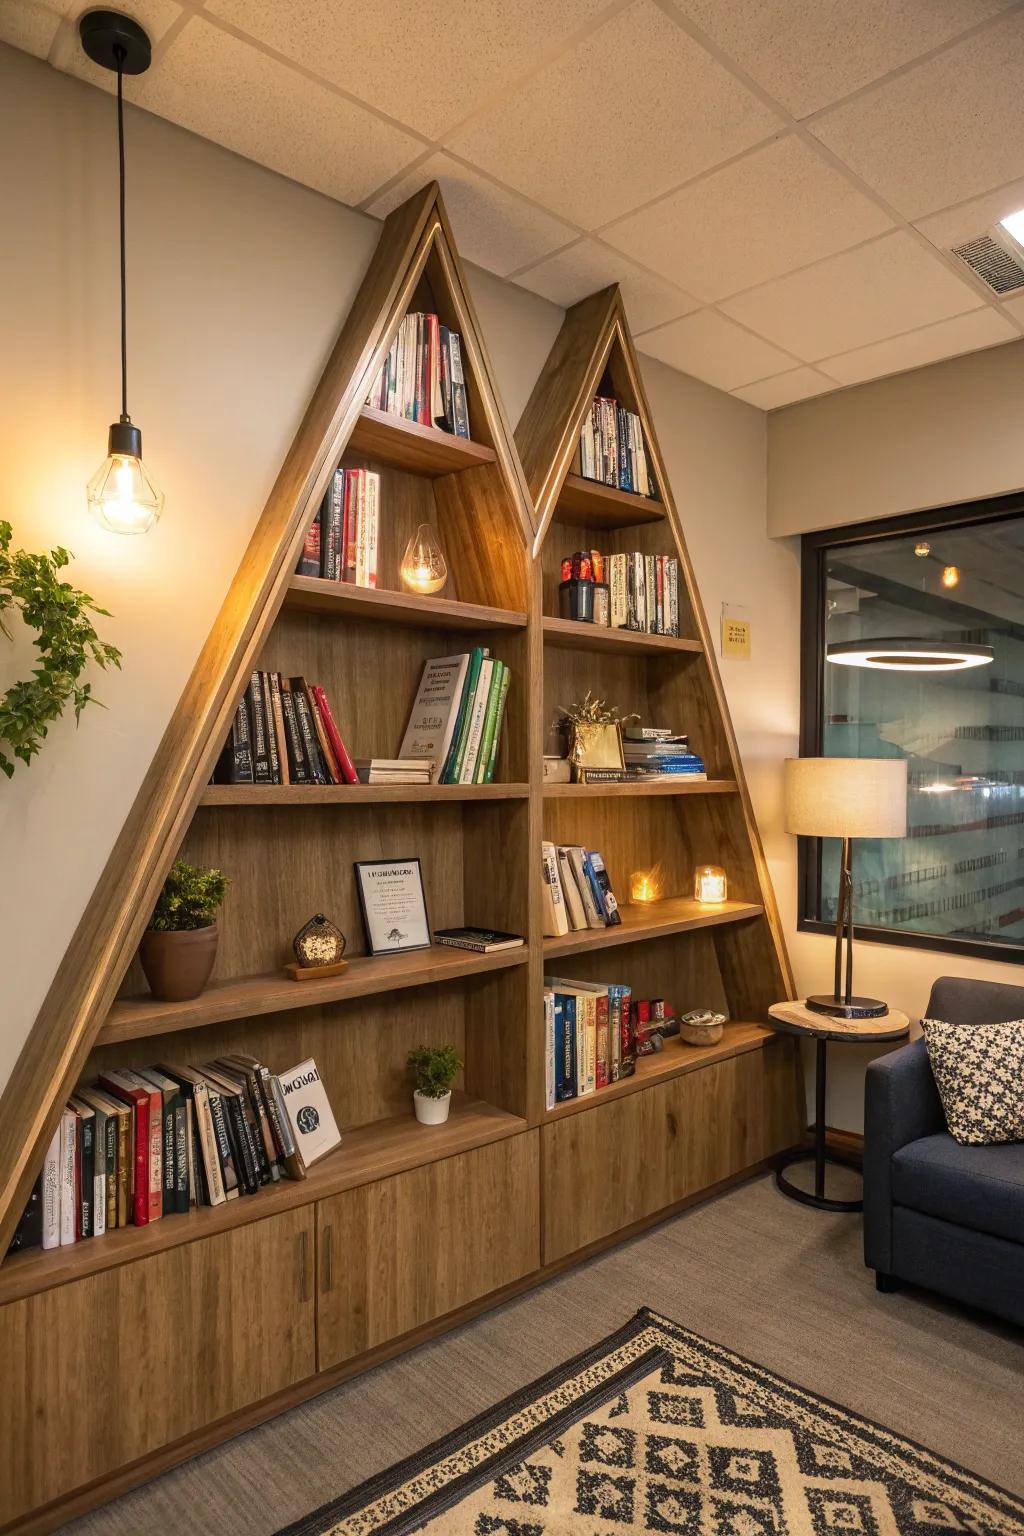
<point>937,1214</point>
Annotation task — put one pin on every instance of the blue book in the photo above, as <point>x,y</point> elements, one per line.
<point>597,875</point>
<point>565,1046</point>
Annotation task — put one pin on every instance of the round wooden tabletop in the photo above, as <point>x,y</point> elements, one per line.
<point>797,1019</point>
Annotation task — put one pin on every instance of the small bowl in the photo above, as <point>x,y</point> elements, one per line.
<point>701,1028</point>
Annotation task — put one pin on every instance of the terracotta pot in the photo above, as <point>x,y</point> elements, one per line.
<point>178,965</point>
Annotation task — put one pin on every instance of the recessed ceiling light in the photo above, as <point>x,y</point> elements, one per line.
<point>1014,225</point>
<point>909,655</point>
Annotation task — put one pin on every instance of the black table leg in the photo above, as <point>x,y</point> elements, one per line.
<point>818,1199</point>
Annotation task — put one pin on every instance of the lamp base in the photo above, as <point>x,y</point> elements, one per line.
<point>856,1008</point>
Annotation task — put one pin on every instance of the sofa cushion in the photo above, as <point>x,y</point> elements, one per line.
<point>977,1187</point>
<point>979,1072</point>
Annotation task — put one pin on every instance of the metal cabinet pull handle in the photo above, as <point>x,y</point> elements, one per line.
<point>305,1287</point>
<point>327,1265</point>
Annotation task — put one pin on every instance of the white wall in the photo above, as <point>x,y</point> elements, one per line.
<point>239,281</point>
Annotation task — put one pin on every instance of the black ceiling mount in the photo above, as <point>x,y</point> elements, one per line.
<point>115,41</point>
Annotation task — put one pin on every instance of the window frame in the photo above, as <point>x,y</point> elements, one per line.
<point>814,550</point>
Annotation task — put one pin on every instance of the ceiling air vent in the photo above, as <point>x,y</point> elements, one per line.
<point>996,258</point>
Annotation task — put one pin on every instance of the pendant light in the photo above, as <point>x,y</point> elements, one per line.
<point>121,495</point>
<point>909,655</point>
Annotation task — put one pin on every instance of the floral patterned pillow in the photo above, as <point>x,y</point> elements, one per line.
<point>979,1072</point>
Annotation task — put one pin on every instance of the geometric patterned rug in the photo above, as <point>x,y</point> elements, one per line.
<point>658,1430</point>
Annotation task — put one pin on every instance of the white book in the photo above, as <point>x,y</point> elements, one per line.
<point>476,722</point>
<point>435,711</point>
<point>619,601</point>
<point>549,1049</point>
<point>556,920</point>
<point>51,1193</point>
<point>68,1205</point>
<point>640,590</point>
<point>309,1112</point>
<point>672,594</point>
<point>573,899</point>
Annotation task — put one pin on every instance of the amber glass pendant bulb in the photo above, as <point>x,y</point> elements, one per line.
<point>423,565</point>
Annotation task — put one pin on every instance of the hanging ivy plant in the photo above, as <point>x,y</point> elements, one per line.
<point>65,639</point>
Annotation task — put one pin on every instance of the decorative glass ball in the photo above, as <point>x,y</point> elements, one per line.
<point>318,942</point>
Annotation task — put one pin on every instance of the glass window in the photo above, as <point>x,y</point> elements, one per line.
<point>957,880</point>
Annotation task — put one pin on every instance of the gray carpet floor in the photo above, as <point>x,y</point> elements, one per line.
<point>771,1279</point>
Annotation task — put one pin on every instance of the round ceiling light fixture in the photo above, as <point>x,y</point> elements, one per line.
<point>909,655</point>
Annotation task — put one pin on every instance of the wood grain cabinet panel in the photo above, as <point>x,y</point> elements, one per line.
<point>102,1371</point>
<point>399,1253</point>
<point>619,1162</point>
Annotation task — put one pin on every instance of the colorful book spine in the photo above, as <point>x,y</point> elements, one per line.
<point>499,721</point>
<point>309,560</point>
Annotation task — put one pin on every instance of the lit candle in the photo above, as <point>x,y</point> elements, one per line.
<point>645,885</point>
<point>423,564</point>
<point>709,883</point>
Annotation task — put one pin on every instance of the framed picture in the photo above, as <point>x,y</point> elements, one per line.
<point>393,905</point>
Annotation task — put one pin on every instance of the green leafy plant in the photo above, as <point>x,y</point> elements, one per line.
<point>434,1068</point>
<point>65,639</point>
<point>189,899</point>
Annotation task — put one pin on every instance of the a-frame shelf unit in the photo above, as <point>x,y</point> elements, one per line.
<point>729,957</point>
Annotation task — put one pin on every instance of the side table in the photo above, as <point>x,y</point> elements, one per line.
<point>796,1019</point>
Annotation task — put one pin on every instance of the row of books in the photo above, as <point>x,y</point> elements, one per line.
<point>284,733</point>
<point>457,717</point>
<point>341,543</point>
<point>577,891</point>
<point>612,448</point>
<point>136,1146</point>
<point>594,1031</point>
<point>422,377</point>
<point>630,591</point>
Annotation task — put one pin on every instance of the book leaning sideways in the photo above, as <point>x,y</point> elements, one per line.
<point>309,1112</point>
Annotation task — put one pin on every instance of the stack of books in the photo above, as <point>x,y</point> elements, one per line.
<point>284,733</point>
<point>612,448</point>
<point>341,543</point>
<point>653,751</point>
<point>457,717</point>
<point>422,377</point>
<point>136,1146</point>
<point>394,770</point>
<point>589,1037</point>
<point>577,891</point>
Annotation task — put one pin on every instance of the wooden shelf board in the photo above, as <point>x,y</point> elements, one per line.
<point>572,634</point>
<point>352,795</point>
<point>591,504</point>
<point>408,445</point>
<point>669,784</point>
<point>344,600</point>
<point>673,1061</point>
<point>366,1154</point>
<point>135,1018</point>
<point>676,914</point>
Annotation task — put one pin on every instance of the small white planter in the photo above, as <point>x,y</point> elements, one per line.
<point>431,1111</point>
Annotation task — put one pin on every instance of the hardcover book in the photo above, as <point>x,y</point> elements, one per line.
<point>434,714</point>
<point>309,1112</point>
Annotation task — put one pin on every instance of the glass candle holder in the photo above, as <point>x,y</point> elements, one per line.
<point>423,565</point>
<point>645,885</point>
<point>710,883</point>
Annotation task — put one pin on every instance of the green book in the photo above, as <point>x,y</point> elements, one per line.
<point>490,721</point>
<point>453,767</point>
<point>499,719</point>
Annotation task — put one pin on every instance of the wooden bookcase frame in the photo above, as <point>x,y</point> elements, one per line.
<point>507,1192</point>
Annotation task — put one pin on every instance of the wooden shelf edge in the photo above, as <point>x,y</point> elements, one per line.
<point>575,634</point>
<point>354,795</point>
<point>366,1155</point>
<point>640,923</point>
<point>142,1017</point>
<point>582,501</point>
<point>669,785</point>
<point>312,594</point>
<point>409,445</point>
<point>675,1060</point>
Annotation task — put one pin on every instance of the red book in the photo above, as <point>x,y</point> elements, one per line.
<point>601,1065</point>
<point>326,748</point>
<point>119,1085</point>
<point>345,763</point>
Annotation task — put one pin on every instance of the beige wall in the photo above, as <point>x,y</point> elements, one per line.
<point>239,281</point>
<point>951,432</point>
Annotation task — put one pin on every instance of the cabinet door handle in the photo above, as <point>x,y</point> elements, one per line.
<point>327,1264</point>
<point>305,1288</point>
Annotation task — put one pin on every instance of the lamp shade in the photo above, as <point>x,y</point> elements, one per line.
<point>846,796</point>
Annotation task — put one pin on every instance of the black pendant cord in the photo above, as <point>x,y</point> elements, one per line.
<point>119,55</point>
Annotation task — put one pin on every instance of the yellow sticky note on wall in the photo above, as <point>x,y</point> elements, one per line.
<point>735,641</point>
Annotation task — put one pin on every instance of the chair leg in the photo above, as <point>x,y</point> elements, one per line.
<point>886,1283</point>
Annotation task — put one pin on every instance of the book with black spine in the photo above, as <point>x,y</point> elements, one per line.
<point>229,1096</point>
<point>307,729</point>
<point>235,763</point>
<point>330,538</point>
<point>273,752</point>
<point>460,404</point>
<point>86,1166</point>
<point>309,560</point>
<point>259,725</point>
<point>298,768</point>
<point>483,941</point>
<point>248,1069</point>
<point>280,734</point>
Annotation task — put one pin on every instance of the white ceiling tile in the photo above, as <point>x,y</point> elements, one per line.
<point>954,225</point>
<point>711,348</point>
<point>29,26</point>
<point>785,388</point>
<point>426,64</point>
<point>229,92</point>
<point>634,109</point>
<point>493,227</point>
<point>847,301</point>
<point>155,16</point>
<point>587,266</point>
<point>965,333</point>
<point>944,131</point>
<point>777,208</point>
<point>810,52</point>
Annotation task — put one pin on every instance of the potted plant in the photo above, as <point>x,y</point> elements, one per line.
<point>433,1068</point>
<point>179,946</point>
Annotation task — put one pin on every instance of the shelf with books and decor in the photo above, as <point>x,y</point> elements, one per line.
<point>652,920</point>
<point>311,594</point>
<point>659,786</point>
<point>586,502</point>
<point>419,447</point>
<point>270,795</point>
<point>576,634</point>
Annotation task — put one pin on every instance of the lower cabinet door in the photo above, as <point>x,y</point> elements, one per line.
<point>399,1253</point>
<point>614,1164</point>
<point>103,1370</point>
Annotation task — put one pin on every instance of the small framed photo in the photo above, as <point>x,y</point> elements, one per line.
<point>393,905</point>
